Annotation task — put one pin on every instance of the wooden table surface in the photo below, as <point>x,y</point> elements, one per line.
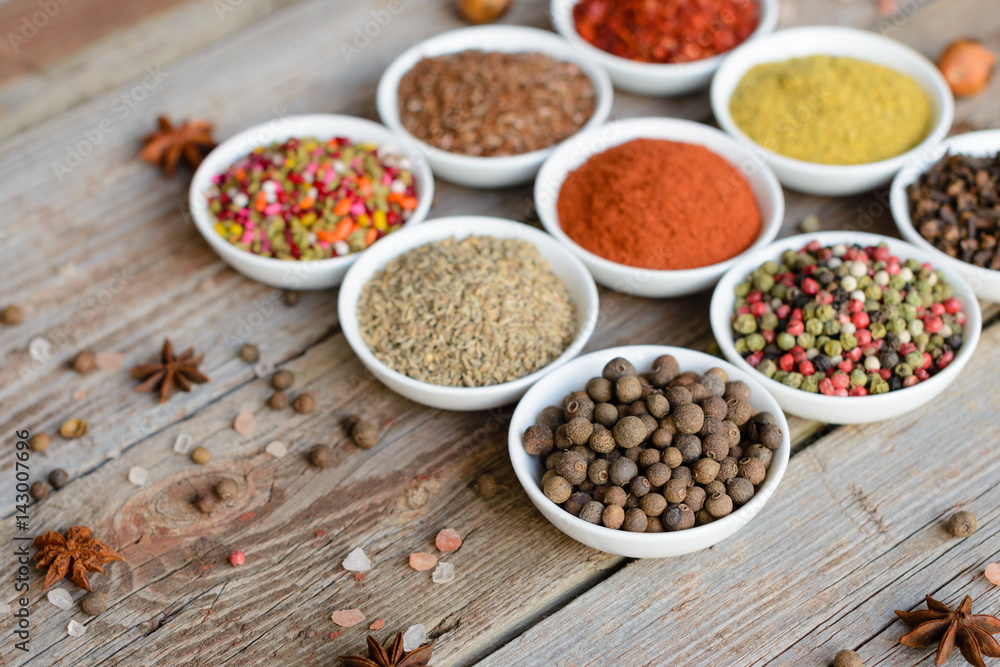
<point>97,246</point>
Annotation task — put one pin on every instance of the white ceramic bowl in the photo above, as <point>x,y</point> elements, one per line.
<point>567,267</point>
<point>654,79</point>
<point>984,282</point>
<point>290,274</point>
<point>648,282</point>
<point>846,409</point>
<point>551,390</point>
<point>826,179</point>
<point>488,172</point>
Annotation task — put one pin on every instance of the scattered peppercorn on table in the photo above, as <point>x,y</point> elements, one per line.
<point>99,256</point>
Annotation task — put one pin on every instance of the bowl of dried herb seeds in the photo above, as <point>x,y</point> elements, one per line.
<point>846,327</point>
<point>466,312</point>
<point>293,202</point>
<point>649,451</point>
<point>487,104</point>
<point>948,204</point>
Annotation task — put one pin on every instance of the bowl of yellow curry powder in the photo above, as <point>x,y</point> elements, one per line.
<point>833,111</point>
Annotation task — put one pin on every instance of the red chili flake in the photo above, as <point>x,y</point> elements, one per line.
<point>668,31</point>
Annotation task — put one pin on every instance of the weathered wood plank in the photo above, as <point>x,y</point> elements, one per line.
<point>854,531</point>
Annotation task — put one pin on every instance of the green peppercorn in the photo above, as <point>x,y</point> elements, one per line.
<point>793,380</point>
<point>755,343</point>
<point>858,377</point>
<point>768,367</point>
<point>785,341</point>
<point>903,370</point>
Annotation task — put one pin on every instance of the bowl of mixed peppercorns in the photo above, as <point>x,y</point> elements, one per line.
<point>845,327</point>
<point>648,451</point>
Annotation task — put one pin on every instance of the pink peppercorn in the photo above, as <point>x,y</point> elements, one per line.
<point>937,309</point>
<point>840,380</point>
<point>826,387</point>
<point>946,358</point>
<point>863,336</point>
<point>952,305</point>
<point>886,373</point>
<point>810,286</point>
<point>860,320</point>
<point>806,368</point>
<point>846,365</point>
<point>858,391</point>
<point>783,311</point>
<point>758,309</point>
<point>769,335</point>
<point>754,296</point>
<point>928,360</point>
<point>237,558</point>
<point>795,327</point>
<point>933,324</point>
<point>786,362</point>
<point>921,374</point>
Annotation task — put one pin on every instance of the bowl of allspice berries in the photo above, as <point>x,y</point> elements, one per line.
<point>648,451</point>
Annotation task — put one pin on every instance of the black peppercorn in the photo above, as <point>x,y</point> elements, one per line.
<point>618,368</point>
<point>551,417</point>
<point>613,517</point>
<point>58,478</point>
<point>678,517</point>
<point>622,471</point>
<point>962,524</point>
<point>599,390</point>
<point>321,456</point>
<point>635,521</point>
<point>537,440</point>
<point>740,490</point>
<point>576,502</point>
<point>592,512</point>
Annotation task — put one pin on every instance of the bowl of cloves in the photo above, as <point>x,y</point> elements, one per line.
<point>948,203</point>
<point>648,451</point>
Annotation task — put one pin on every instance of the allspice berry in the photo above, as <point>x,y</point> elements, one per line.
<point>635,521</point>
<point>600,390</point>
<point>94,604</point>
<point>689,446</point>
<point>537,440</point>
<point>39,490</point>
<point>278,401</point>
<point>557,489</point>
<point>200,455</point>
<point>695,498</point>
<point>847,658</point>
<point>678,396</point>
<point>601,440</point>
<point>715,487</point>
<point>737,389</point>
<point>682,472</point>
<point>759,452</point>
<point>204,503</point>
<point>615,495</point>
<point>579,407</point>
<point>486,486</point>
<point>740,490</point>
<point>657,405</point>
<point>675,491</point>
<point>578,430</point>
<point>753,470</point>
<point>628,389</point>
<point>715,407</point>
<point>629,432</point>
<point>551,416</point>
<point>618,368</point>
<point>653,504</point>
<point>304,403</point>
<point>688,418</point>
<point>598,472</point>
<point>12,314</point>
<point>698,392</point>
<point>713,383</point>
<point>282,380</point>
<point>728,468</point>
<point>576,502</point>
<point>605,414</point>
<point>658,474</point>
<point>719,505</point>
<point>572,467</point>
<point>613,517</point>
<point>84,362</point>
<point>321,456</point>
<point>592,512</point>
<point>705,471</point>
<point>770,435</point>
<point>678,517</point>
<point>672,457</point>
<point>560,439</point>
<point>622,471</point>
<point>39,442</point>
<point>739,411</point>
<point>639,486</point>
<point>58,478</point>
<point>962,524</point>
<point>226,489</point>
<point>366,433</point>
<point>665,369</point>
<point>715,446</point>
<point>249,353</point>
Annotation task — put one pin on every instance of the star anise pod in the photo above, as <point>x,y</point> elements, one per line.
<point>939,624</point>
<point>179,371</point>
<point>192,141</point>
<point>75,554</point>
<point>395,656</point>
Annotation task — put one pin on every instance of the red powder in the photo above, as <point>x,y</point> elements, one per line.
<point>659,204</point>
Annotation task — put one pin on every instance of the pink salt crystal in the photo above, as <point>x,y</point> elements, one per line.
<point>421,561</point>
<point>79,394</point>
<point>245,423</point>
<point>109,361</point>
<point>993,573</point>
<point>377,625</point>
<point>347,618</point>
<point>448,540</point>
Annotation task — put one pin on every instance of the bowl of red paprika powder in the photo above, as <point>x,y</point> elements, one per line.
<point>673,49</point>
<point>658,207</point>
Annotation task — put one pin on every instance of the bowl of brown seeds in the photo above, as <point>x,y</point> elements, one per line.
<point>467,312</point>
<point>648,451</point>
<point>488,104</point>
<point>948,202</point>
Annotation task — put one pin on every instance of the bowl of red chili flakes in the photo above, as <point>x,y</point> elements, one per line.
<point>672,50</point>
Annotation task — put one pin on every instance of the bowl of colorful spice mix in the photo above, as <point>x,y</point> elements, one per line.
<point>670,47</point>
<point>467,312</point>
<point>658,207</point>
<point>846,327</point>
<point>488,104</point>
<point>950,205</point>
<point>649,451</point>
<point>292,203</point>
<point>834,111</point>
